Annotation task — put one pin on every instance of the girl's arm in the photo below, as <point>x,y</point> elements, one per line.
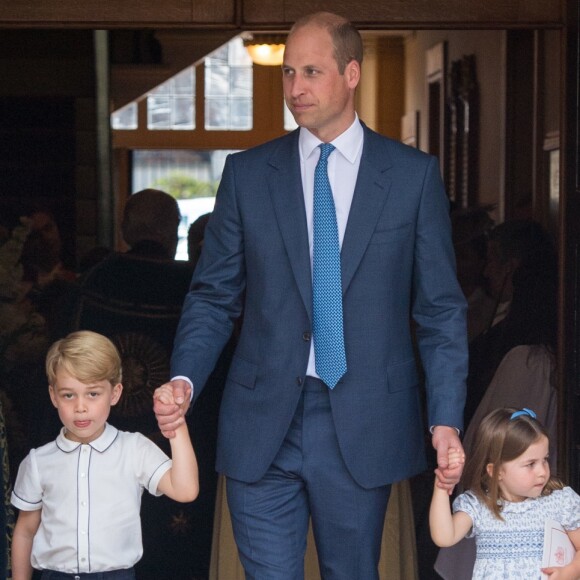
<point>446,528</point>
<point>572,570</point>
<point>24,532</point>
<point>181,482</point>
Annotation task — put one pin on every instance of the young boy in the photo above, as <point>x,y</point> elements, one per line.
<point>79,496</point>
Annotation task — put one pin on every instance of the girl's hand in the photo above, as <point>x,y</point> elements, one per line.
<point>561,573</point>
<point>572,570</point>
<point>446,438</point>
<point>456,458</point>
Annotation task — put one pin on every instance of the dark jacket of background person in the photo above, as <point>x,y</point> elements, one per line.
<point>529,270</point>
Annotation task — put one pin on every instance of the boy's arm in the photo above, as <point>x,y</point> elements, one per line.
<point>572,570</point>
<point>24,532</point>
<point>181,482</point>
<point>446,528</point>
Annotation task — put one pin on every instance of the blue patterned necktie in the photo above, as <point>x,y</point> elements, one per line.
<point>329,353</point>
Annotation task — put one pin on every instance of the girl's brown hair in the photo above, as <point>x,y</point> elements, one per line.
<point>499,439</point>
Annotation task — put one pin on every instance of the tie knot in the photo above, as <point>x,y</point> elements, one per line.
<point>325,150</point>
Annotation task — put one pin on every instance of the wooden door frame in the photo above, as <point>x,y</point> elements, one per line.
<point>569,311</point>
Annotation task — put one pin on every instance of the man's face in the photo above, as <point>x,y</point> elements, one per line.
<point>320,98</point>
<point>46,226</point>
<point>498,273</point>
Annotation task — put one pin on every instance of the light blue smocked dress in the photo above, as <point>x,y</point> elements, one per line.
<point>512,549</point>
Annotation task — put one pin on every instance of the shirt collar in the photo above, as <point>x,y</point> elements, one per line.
<point>101,443</point>
<point>348,143</point>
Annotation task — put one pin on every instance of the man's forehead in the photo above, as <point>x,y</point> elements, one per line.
<point>308,52</point>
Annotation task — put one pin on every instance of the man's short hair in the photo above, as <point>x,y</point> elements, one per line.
<point>152,215</point>
<point>347,41</point>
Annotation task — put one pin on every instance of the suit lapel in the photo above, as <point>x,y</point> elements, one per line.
<point>285,185</point>
<point>370,194</point>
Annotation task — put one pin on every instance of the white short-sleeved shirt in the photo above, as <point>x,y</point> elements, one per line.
<point>90,497</point>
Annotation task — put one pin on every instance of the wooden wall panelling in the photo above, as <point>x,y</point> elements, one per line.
<point>409,13</point>
<point>250,14</point>
<point>37,160</point>
<point>127,13</point>
<point>391,85</point>
<point>520,124</point>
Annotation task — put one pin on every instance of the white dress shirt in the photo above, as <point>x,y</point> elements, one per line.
<point>90,497</point>
<point>343,166</point>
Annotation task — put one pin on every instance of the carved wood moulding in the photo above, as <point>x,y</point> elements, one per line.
<point>462,148</point>
<point>279,14</point>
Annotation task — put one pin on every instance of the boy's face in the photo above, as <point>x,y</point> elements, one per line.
<point>83,408</point>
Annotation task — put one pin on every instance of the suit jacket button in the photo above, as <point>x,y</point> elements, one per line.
<point>306,336</point>
<point>299,381</point>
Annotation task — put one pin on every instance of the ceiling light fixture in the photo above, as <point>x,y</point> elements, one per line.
<point>265,49</point>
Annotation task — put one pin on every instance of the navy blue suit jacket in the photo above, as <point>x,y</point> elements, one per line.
<point>397,265</point>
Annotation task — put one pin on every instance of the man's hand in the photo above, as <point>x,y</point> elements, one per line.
<point>448,475</point>
<point>170,403</point>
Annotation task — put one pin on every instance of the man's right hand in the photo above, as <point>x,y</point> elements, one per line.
<point>170,415</point>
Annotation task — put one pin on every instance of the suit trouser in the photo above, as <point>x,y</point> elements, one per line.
<point>307,478</point>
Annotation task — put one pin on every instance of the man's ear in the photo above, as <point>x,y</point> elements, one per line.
<point>116,394</point>
<point>352,73</point>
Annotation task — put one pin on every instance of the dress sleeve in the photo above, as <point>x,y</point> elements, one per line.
<point>570,509</point>
<point>467,502</point>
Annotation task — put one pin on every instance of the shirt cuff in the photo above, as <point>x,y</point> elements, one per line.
<point>431,429</point>
<point>188,381</point>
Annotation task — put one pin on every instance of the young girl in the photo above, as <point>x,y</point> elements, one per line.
<point>510,495</point>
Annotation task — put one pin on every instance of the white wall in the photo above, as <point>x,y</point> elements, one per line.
<point>488,46</point>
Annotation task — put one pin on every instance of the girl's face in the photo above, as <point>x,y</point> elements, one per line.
<point>527,475</point>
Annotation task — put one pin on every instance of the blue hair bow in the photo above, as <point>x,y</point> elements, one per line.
<point>524,411</point>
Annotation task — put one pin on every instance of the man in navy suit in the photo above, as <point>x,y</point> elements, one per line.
<point>291,447</point>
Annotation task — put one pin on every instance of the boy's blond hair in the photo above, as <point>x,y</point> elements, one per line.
<point>87,356</point>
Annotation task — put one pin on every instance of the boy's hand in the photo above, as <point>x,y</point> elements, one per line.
<point>170,403</point>
<point>164,393</point>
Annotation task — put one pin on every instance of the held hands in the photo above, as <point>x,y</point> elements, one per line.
<point>170,403</point>
<point>450,457</point>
